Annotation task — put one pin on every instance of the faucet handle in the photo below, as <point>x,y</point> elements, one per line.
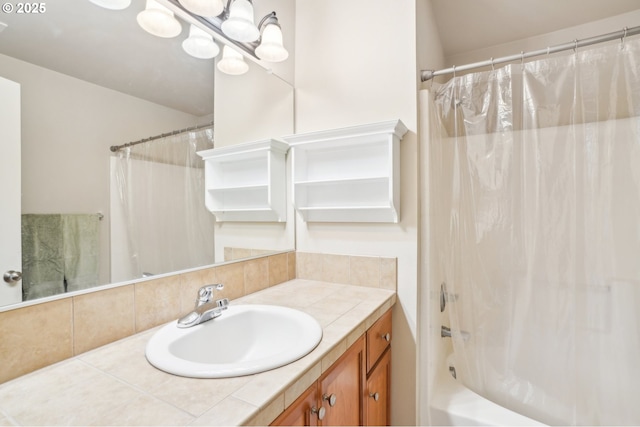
<point>205,293</point>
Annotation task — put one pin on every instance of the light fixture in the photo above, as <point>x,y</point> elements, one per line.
<point>158,20</point>
<point>200,44</point>
<point>112,4</point>
<point>271,48</point>
<point>232,62</point>
<point>229,21</point>
<point>239,25</point>
<point>208,8</point>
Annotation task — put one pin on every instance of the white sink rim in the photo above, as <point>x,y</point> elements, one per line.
<point>305,334</point>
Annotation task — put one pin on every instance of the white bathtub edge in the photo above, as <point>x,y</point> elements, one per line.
<point>455,405</point>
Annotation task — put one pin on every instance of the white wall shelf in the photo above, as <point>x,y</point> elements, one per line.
<point>247,182</point>
<point>348,175</point>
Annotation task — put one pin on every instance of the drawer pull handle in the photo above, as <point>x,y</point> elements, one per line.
<point>331,399</point>
<point>320,412</point>
<point>386,337</point>
<point>375,396</point>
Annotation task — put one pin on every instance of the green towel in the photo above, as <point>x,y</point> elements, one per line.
<point>81,249</point>
<point>42,256</point>
<point>59,253</point>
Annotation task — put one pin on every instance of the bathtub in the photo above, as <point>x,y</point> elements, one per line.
<point>455,405</point>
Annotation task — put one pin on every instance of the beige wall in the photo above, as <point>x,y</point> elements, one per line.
<point>68,126</point>
<point>252,107</point>
<point>356,64</point>
<point>430,56</point>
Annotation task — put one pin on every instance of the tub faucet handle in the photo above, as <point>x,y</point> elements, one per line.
<point>446,332</point>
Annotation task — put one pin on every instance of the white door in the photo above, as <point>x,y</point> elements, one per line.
<point>10,183</point>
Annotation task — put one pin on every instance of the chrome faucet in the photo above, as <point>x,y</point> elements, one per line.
<point>206,308</point>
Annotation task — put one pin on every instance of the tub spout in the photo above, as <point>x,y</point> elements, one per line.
<point>445,332</point>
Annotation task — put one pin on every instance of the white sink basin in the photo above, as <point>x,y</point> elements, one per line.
<point>245,339</point>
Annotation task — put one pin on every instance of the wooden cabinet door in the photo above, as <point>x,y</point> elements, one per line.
<point>378,393</point>
<point>343,385</point>
<point>301,412</point>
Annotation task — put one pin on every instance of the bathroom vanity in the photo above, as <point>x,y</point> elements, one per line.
<point>115,385</point>
<point>355,390</point>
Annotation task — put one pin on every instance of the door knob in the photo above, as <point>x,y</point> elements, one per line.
<point>375,396</point>
<point>12,276</point>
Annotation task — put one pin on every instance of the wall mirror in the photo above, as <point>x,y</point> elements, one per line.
<point>91,78</point>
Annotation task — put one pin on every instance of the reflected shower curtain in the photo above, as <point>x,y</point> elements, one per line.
<point>535,188</point>
<point>161,223</point>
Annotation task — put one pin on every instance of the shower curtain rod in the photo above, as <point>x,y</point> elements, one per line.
<point>426,75</point>
<point>115,148</point>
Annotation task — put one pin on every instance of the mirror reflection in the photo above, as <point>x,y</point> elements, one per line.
<point>91,78</point>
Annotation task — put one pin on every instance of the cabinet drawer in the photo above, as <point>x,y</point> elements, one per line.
<point>378,339</point>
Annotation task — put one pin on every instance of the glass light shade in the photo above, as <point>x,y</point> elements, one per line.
<point>204,7</point>
<point>232,62</point>
<point>158,20</point>
<point>271,48</point>
<point>200,44</point>
<point>112,4</point>
<point>240,26</point>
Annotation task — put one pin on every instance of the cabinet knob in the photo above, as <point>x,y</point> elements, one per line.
<point>386,337</point>
<point>375,396</point>
<point>320,412</point>
<point>331,399</point>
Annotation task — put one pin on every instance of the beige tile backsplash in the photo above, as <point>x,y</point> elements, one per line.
<point>102,317</point>
<point>278,269</point>
<point>40,335</point>
<point>375,272</point>
<point>34,337</point>
<point>256,275</point>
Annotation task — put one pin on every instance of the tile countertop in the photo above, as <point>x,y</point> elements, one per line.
<point>115,385</point>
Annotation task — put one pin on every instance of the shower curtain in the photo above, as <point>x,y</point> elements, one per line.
<point>535,194</point>
<point>159,222</point>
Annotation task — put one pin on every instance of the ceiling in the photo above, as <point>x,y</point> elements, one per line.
<point>108,48</point>
<point>466,25</point>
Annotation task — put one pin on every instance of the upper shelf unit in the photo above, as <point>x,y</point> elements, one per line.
<point>247,182</point>
<point>348,175</point>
